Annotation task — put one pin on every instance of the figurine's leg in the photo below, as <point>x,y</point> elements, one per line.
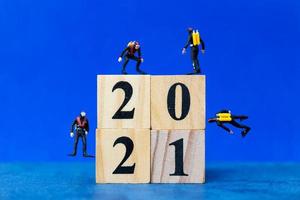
<point>124,65</point>
<point>84,144</point>
<point>246,128</point>
<point>198,70</point>
<point>195,62</point>
<point>220,124</point>
<point>138,63</point>
<point>192,57</point>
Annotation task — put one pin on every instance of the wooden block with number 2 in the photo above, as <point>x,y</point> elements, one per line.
<point>123,156</point>
<point>123,101</point>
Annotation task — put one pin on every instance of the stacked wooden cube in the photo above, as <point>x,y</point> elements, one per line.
<point>150,129</point>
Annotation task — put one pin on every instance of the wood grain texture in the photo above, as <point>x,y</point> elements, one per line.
<point>109,102</point>
<point>163,156</point>
<point>160,117</point>
<point>108,156</point>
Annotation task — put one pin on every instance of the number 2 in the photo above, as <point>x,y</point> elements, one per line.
<point>129,148</point>
<point>127,88</point>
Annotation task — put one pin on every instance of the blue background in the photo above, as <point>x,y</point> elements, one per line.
<point>51,52</point>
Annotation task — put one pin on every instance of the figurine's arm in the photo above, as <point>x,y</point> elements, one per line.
<point>87,127</point>
<point>123,52</point>
<point>202,44</point>
<point>212,120</point>
<point>72,128</point>
<point>188,41</point>
<point>73,125</point>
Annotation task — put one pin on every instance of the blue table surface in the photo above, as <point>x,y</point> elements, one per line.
<point>76,180</point>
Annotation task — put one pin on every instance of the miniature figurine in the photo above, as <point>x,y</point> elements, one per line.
<point>81,126</point>
<point>129,51</point>
<point>225,116</point>
<point>194,40</point>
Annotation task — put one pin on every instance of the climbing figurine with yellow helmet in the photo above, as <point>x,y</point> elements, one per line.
<point>128,53</point>
<point>194,40</point>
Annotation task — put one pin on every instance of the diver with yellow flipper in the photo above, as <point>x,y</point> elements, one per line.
<point>225,116</point>
<point>194,40</point>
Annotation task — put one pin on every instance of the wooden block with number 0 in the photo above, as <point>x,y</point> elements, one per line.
<point>122,155</point>
<point>123,101</point>
<point>178,102</point>
<point>177,156</point>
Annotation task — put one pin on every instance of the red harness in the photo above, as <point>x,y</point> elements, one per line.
<point>81,123</point>
<point>132,50</point>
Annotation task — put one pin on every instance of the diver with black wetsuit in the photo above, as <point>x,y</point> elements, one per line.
<point>225,116</point>
<point>129,52</point>
<point>194,51</point>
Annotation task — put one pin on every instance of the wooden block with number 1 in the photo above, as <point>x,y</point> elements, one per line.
<point>177,156</point>
<point>123,101</point>
<point>122,156</point>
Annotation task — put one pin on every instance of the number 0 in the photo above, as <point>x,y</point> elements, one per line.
<point>186,101</point>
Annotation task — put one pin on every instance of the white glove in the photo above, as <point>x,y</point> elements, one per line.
<point>183,51</point>
<point>142,59</point>
<point>120,59</point>
<point>203,51</point>
<point>71,134</point>
<point>86,132</point>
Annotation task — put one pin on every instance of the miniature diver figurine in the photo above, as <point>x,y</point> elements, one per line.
<point>194,40</point>
<point>225,116</point>
<point>129,51</point>
<point>81,126</point>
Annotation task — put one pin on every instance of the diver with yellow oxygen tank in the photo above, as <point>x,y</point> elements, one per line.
<point>194,40</point>
<point>225,116</point>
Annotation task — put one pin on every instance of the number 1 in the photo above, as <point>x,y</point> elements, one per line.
<point>179,171</point>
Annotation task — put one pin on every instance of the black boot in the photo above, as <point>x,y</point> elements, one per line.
<point>72,154</point>
<point>141,72</point>
<point>194,72</point>
<point>88,156</point>
<point>245,132</point>
<point>124,72</point>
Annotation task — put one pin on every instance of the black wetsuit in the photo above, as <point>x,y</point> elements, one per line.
<point>130,54</point>
<point>194,52</point>
<point>81,125</point>
<point>233,122</point>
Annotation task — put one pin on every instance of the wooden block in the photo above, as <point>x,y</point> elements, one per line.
<point>177,156</point>
<point>122,156</point>
<point>177,102</point>
<point>123,101</point>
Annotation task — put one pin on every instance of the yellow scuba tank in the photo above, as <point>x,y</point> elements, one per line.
<point>196,38</point>
<point>224,117</point>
